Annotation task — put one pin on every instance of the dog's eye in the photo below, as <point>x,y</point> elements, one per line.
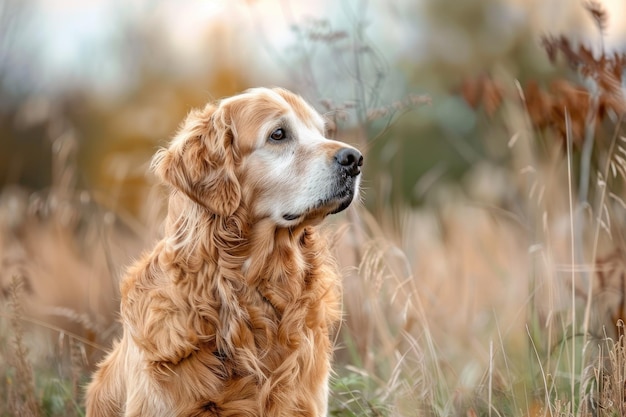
<point>278,134</point>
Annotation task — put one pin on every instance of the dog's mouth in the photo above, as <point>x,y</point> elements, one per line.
<point>289,217</point>
<point>337,202</point>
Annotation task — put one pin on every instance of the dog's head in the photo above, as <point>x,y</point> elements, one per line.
<point>265,149</point>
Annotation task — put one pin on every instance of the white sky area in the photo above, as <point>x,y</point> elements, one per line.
<point>73,40</point>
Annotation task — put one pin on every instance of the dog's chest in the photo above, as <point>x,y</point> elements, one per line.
<point>265,335</point>
<point>265,356</point>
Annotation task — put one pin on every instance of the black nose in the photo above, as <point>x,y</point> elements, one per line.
<point>351,160</point>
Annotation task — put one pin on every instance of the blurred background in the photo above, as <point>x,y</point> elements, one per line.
<point>117,77</point>
<point>464,233</point>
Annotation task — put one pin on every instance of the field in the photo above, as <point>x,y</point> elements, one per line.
<point>501,292</point>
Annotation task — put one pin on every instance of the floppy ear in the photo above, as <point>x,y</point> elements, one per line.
<point>200,161</point>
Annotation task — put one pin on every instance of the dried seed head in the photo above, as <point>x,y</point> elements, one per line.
<point>598,13</point>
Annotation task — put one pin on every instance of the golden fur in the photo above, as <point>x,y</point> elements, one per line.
<point>231,313</point>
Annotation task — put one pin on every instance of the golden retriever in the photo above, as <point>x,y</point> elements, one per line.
<point>231,313</point>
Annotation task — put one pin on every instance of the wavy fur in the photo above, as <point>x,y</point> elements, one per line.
<point>231,313</point>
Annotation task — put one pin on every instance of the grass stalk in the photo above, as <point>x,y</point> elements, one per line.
<point>573,256</point>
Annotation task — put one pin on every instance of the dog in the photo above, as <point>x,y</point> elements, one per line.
<point>232,312</point>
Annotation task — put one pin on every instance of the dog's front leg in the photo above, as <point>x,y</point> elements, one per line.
<point>105,395</point>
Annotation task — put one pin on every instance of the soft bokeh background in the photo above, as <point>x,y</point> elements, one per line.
<point>459,282</point>
<point>119,76</point>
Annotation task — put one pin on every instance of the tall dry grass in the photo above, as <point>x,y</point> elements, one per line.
<point>503,295</point>
<point>62,251</point>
